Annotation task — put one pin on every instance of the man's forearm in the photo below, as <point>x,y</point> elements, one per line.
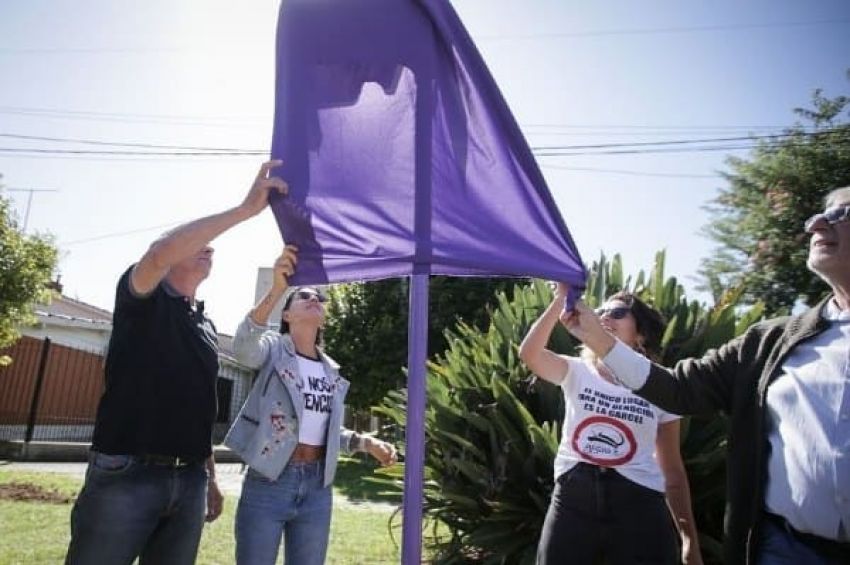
<point>630,369</point>
<point>188,239</point>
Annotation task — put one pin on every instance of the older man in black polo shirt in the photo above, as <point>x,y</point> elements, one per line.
<point>151,477</point>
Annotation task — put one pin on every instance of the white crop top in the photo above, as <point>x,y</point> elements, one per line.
<point>318,401</point>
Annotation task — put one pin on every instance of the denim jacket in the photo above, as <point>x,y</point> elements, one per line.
<point>265,432</point>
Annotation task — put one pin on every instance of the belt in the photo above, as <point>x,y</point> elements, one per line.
<point>824,547</point>
<point>582,468</point>
<point>167,460</point>
<point>307,453</point>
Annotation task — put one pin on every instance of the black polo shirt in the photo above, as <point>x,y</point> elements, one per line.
<point>160,371</point>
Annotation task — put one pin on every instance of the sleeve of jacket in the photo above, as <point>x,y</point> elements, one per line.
<point>698,386</point>
<point>252,343</point>
<point>349,441</point>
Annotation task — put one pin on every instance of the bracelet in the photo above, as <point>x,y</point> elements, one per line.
<point>361,442</point>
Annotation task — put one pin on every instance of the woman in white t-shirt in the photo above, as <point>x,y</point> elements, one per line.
<point>619,460</point>
<point>289,431</point>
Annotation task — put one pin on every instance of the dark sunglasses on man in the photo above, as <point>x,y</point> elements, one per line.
<point>617,313</point>
<point>831,216</point>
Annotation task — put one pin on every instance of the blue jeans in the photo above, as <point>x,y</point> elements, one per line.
<point>296,505</point>
<point>128,509</point>
<point>778,546</point>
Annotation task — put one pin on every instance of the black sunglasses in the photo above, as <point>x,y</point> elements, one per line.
<point>618,312</point>
<point>831,216</point>
<point>309,295</point>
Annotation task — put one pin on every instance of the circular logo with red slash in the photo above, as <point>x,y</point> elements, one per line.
<point>604,441</point>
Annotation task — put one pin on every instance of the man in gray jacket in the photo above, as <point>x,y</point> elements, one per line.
<point>785,385</point>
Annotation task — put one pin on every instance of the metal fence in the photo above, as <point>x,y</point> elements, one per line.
<point>50,392</point>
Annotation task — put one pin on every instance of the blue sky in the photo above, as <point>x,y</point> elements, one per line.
<point>200,73</point>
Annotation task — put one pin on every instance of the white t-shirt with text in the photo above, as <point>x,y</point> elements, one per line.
<point>609,426</point>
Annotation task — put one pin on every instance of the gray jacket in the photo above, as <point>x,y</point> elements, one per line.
<point>265,432</point>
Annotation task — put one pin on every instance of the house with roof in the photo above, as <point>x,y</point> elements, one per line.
<point>51,390</point>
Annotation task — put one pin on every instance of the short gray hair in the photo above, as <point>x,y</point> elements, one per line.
<point>837,194</point>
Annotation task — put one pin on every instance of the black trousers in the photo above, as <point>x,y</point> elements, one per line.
<point>597,514</point>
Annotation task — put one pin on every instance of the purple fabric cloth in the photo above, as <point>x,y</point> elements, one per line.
<point>400,152</point>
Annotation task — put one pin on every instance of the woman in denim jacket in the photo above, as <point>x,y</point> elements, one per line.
<point>289,430</point>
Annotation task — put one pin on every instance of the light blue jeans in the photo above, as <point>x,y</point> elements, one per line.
<point>127,509</point>
<point>296,506</point>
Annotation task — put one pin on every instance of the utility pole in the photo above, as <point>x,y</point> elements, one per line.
<point>29,200</point>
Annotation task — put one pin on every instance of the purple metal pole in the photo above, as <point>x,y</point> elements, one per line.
<point>414,458</point>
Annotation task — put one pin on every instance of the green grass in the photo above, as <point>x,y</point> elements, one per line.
<point>37,532</point>
<point>354,481</point>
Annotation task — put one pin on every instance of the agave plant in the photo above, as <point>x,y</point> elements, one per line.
<point>492,429</point>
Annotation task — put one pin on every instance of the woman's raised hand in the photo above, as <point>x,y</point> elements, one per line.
<point>584,324</point>
<point>284,266</point>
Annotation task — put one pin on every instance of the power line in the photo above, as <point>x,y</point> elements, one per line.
<point>658,146</point>
<point>29,200</point>
<point>653,127</point>
<point>665,150</point>
<point>205,121</point>
<point>252,151</point>
<point>552,35</point>
<point>659,31</point>
<point>663,146</point>
<point>121,233</point>
<point>85,50</point>
<point>560,152</point>
<point>236,153</point>
<point>207,158</point>
<point>196,150</point>
<point>122,114</point>
<point>630,172</point>
<point>675,142</point>
<point>252,120</point>
<point>115,143</point>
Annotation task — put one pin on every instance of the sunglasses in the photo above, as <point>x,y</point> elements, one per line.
<point>309,295</point>
<point>617,313</point>
<point>831,216</point>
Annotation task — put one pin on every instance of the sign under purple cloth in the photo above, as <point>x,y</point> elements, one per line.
<point>401,155</point>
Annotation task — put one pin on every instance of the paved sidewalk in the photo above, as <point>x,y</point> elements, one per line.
<point>229,475</point>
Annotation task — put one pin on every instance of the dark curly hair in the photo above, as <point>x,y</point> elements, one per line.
<point>649,322</point>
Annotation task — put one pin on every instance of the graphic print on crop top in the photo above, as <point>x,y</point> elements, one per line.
<point>318,394</point>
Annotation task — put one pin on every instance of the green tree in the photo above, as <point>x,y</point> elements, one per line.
<point>758,219</point>
<point>492,430</point>
<point>26,265</point>
<point>366,329</point>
